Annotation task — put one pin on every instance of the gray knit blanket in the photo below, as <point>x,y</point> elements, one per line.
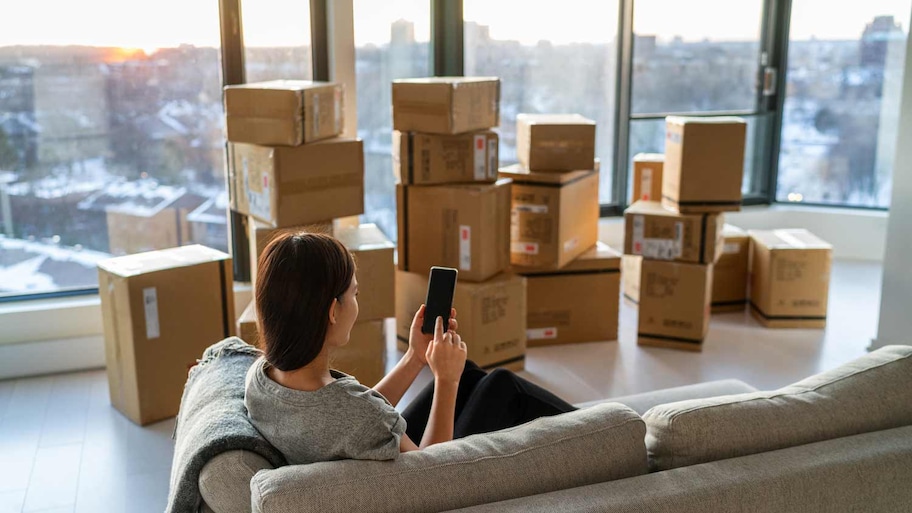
<point>213,420</point>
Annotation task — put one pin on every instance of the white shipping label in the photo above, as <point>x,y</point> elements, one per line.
<point>479,149</point>
<point>730,248</point>
<point>524,248</point>
<point>259,203</point>
<point>514,224</point>
<point>465,247</point>
<point>493,162</point>
<point>541,334</point>
<point>638,228</point>
<point>150,305</point>
<point>659,249</point>
<point>646,184</point>
<point>530,208</point>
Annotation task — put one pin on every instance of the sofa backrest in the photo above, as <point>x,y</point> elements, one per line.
<point>224,482</point>
<point>868,472</point>
<point>869,394</point>
<point>591,445</point>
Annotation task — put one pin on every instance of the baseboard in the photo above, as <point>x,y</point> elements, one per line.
<point>51,356</point>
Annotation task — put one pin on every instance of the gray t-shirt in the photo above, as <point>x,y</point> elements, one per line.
<point>342,420</point>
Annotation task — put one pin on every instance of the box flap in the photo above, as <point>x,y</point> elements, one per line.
<point>520,174</point>
<point>445,80</point>
<point>554,119</point>
<point>654,208</point>
<point>152,261</point>
<point>730,230</point>
<point>789,239</point>
<point>715,120</point>
<point>286,85</point>
<point>649,157</point>
<point>363,237</point>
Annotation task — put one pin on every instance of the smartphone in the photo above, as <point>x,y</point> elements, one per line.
<point>439,302</point>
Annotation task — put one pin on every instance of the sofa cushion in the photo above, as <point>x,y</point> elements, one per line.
<point>641,403</point>
<point>867,473</point>
<point>587,446</point>
<point>871,393</point>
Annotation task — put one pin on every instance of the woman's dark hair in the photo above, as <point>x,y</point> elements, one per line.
<point>299,275</point>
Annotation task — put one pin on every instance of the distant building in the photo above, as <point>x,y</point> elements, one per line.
<point>402,32</point>
<point>644,46</point>
<point>876,40</point>
<point>143,216</point>
<point>19,140</point>
<point>209,223</point>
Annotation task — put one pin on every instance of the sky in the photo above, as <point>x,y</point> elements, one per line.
<point>165,23</point>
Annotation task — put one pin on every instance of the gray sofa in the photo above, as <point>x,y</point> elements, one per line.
<point>839,441</point>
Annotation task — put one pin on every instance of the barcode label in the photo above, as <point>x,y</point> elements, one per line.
<point>638,227</point>
<point>524,248</point>
<point>530,208</point>
<point>465,247</point>
<point>646,184</point>
<point>150,305</point>
<point>480,161</point>
<point>730,248</point>
<point>541,334</point>
<point>493,162</point>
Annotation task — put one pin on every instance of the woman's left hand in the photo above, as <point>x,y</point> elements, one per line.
<point>418,342</point>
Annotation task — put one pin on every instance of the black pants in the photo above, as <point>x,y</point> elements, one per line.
<point>486,402</point>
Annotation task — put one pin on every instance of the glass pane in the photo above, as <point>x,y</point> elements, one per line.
<point>841,110</point>
<point>648,136</point>
<point>277,39</point>
<point>111,137</point>
<point>551,58</point>
<point>391,41</point>
<point>685,60</point>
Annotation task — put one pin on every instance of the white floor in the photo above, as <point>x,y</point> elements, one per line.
<point>64,449</point>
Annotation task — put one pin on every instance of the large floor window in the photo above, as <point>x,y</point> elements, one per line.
<point>110,136</point>
<point>551,58</point>
<point>391,41</point>
<point>841,110</point>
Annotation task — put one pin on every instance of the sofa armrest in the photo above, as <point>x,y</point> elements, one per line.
<point>641,403</point>
<point>225,481</point>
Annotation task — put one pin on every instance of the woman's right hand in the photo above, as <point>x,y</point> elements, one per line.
<point>446,354</point>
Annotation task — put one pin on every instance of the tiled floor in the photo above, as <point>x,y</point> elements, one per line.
<point>64,449</point>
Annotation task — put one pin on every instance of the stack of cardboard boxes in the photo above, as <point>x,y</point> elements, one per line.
<point>671,246</point>
<point>453,211</point>
<point>573,280</point>
<point>290,170</point>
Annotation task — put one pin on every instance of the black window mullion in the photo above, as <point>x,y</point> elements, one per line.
<point>447,38</point>
<point>623,90</point>
<point>233,72</point>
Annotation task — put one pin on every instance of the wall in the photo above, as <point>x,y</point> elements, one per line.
<point>896,292</point>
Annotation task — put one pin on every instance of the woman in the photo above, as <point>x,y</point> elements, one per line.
<point>306,300</point>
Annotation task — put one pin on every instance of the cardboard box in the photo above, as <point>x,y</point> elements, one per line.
<point>555,142</point>
<point>247,325</point>
<point>160,310</point>
<point>647,176</point>
<point>283,112</point>
<point>364,357</point>
<point>654,232</point>
<point>290,186</point>
<point>790,278</point>
<point>425,159</point>
<point>260,234</point>
<point>731,272</point>
<point>579,303</point>
<point>553,218</point>
<point>674,304</point>
<point>630,275</point>
<point>446,105</point>
<point>373,252</point>
<point>704,164</point>
<point>492,316</point>
<point>461,226</point>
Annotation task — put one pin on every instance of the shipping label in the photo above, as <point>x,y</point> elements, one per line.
<point>150,305</point>
<point>259,203</point>
<point>731,248</point>
<point>542,333</point>
<point>493,162</point>
<point>465,247</point>
<point>479,148</point>
<point>524,248</point>
<point>646,184</point>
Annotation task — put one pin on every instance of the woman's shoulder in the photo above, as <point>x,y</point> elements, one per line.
<point>361,394</point>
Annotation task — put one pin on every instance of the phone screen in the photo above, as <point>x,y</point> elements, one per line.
<point>441,286</point>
